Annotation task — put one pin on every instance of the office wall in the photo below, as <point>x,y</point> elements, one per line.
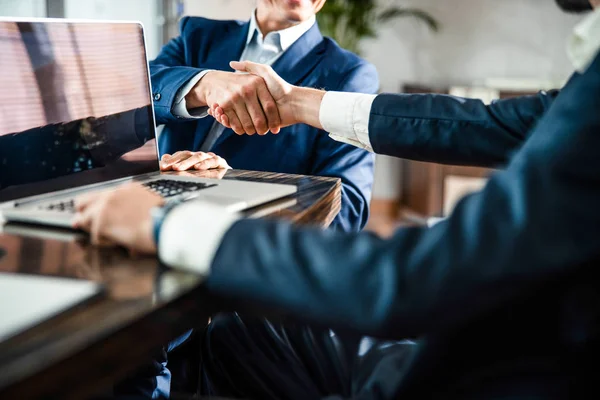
<point>23,8</point>
<point>145,11</point>
<point>480,39</point>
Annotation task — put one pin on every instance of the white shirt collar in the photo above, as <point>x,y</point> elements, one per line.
<point>287,36</point>
<point>584,44</point>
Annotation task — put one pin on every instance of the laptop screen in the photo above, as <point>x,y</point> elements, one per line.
<point>76,106</point>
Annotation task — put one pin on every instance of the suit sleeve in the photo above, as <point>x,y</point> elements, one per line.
<point>170,72</point>
<point>451,130</point>
<point>534,222</point>
<point>354,166</point>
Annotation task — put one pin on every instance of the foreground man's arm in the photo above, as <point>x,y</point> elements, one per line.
<point>533,222</point>
<point>426,127</point>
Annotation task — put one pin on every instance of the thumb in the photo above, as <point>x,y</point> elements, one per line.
<point>242,66</point>
<point>272,80</point>
<point>260,70</point>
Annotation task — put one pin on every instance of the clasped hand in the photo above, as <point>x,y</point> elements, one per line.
<point>256,101</point>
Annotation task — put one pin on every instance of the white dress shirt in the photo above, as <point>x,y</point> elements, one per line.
<point>346,116</point>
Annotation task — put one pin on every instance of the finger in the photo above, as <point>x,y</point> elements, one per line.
<point>81,221</point>
<point>87,220</point>
<point>271,111</point>
<point>211,163</point>
<point>241,110</point>
<point>241,66</point>
<point>225,121</point>
<point>84,201</point>
<point>218,114</point>
<point>97,223</point>
<point>255,109</point>
<point>252,68</point>
<point>175,159</point>
<point>164,160</point>
<point>254,106</point>
<point>234,122</point>
<point>190,162</point>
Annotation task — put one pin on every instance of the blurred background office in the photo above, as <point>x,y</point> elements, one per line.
<point>475,48</point>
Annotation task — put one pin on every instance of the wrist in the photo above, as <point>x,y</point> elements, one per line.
<point>306,105</point>
<point>197,96</point>
<point>158,217</point>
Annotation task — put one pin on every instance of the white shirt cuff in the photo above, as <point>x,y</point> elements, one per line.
<point>180,107</point>
<point>346,117</point>
<point>191,235</point>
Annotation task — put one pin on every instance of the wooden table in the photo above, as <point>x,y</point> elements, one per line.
<point>86,349</point>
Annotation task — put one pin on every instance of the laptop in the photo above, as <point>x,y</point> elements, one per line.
<point>77,116</point>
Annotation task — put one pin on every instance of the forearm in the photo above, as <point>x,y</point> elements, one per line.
<point>432,128</point>
<point>168,83</point>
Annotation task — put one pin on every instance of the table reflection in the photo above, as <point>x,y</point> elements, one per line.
<point>125,276</point>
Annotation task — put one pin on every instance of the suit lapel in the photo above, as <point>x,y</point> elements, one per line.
<point>227,46</point>
<point>302,56</point>
<point>295,63</point>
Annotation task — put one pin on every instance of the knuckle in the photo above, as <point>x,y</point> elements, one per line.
<point>271,109</point>
<point>248,91</point>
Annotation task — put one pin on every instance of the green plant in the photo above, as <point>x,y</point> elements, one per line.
<point>348,22</point>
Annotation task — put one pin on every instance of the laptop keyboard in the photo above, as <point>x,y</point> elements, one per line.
<point>164,187</point>
<point>169,188</point>
<point>63,206</point>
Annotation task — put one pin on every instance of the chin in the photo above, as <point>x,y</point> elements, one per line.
<point>295,17</point>
<point>298,10</point>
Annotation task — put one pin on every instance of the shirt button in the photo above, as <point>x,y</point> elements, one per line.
<point>157,96</point>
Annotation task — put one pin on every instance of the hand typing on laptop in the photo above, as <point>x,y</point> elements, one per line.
<point>120,216</point>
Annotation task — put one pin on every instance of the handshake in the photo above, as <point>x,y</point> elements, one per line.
<point>257,101</point>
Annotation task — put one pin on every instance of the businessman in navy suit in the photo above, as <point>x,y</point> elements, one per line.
<point>503,294</point>
<point>191,70</point>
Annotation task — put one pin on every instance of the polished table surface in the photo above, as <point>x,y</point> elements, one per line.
<point>144,305</point>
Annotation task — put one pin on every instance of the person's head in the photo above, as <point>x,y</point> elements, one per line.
<point>287,12</point>
<point>578,5</point>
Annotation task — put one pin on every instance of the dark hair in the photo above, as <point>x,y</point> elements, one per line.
<point>574,5</point>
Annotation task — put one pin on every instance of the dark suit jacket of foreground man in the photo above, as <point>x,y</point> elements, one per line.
<point>504,293</point>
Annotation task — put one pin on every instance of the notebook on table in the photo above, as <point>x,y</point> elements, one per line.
<point>28,300</point>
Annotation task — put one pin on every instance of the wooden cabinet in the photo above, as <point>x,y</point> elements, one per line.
<point>432,190</point>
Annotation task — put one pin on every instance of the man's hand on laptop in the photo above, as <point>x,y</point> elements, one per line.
<point>295,104</point>
<point>186,160</point>
<point>245,100</point>
<point>121,216</point>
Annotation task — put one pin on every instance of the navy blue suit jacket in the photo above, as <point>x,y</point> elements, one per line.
<point>504,292</point>
<point>312,61</point>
